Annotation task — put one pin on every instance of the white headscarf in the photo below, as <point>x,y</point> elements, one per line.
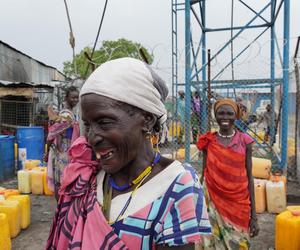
<point>130,81</point>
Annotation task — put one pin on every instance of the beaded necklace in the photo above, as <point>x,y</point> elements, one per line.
<point>146,171</point>
<point>226,136</point>
<point>137,181</point>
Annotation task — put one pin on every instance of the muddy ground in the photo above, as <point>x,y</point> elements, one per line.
<point>43,207</point>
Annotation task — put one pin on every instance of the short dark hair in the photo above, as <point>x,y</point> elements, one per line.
<point>71,89</point>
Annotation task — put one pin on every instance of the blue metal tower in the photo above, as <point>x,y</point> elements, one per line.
<point>196,33</point>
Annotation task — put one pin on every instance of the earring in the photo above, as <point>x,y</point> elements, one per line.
<point>157,141</point>
<point>148,135</point>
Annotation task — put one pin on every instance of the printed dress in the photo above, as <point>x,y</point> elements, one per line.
<point>169,209</point>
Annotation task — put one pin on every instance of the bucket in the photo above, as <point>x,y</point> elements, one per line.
<point>7,165</point>
<point>30,144</point>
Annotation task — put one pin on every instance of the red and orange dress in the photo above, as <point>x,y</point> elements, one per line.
<point>226,190</point>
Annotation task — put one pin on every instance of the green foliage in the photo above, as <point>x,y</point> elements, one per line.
<point>109,50</point>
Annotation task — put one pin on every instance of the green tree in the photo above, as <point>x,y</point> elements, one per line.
<point>109,50</point>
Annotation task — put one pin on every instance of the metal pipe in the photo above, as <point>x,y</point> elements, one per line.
<point>187,80</point>
<point>285,88</point>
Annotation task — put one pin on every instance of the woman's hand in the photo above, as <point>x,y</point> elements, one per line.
<point>254,228</point>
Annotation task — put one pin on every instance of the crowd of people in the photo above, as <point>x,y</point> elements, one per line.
<point>116,191</point>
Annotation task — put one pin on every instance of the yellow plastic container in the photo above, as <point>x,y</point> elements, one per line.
<point>24,182</point>
<point>180,154</point>
<point>47,191</point>
<point>260,196</point>
<point>7,192</point>
<point>30,164</point>
<point>174,129</point>
<point>36,177</point>
<point>261,168</point>
<point>5,241</point>
<point>13,213</point>
<point>287,235</point>
<point>276,177</point>
<point>276,197</point>
<point>25,208</point>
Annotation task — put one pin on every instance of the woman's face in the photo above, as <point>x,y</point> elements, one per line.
<point>114,134</point>
<point>73,98</point>
<point>225,117</point>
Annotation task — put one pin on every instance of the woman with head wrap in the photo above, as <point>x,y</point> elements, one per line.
<point>228,181</point>
<point>118,192</point>
<point>62,132</point>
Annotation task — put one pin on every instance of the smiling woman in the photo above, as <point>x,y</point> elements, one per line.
<point>228,182</point>
<point>125,194</point>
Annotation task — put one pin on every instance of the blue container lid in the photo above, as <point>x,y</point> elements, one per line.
<point>7,137</point>
<point>30,127</point>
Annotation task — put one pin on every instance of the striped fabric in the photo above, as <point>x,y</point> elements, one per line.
<point>227,181</point>
<point>79,222</point>
<point>177,218</point>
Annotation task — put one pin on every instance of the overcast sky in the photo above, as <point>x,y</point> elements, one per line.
<point>40,29</point>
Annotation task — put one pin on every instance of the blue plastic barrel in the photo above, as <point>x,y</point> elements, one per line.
<point>30,144</point>
<point>7,158</point>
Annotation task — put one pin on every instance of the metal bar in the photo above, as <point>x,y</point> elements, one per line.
<point>202,13</point>
<point>236,35</point>
<point>208,90</point>
<point>273,10</point>
<point>174,70</point>
<point>179,4</point>
<point>204,99</point>
<point>255,12</point>
<point>278,10</point>
<point>285,87</point>
<point>237,27</point>
<point>272,75</point>
<point>239,54</point>
<point>194,57</point>
<point>297,47</point>
<point>187,124</point>
<point>297,79</point>
<point>241,81</point>
<point>239,86</point>
<point>197,18</point>
<point>278,49</point>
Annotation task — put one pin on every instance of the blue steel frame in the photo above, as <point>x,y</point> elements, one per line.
<point>192,60</point>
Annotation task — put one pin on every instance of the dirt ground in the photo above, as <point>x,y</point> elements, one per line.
<point>43,207</point>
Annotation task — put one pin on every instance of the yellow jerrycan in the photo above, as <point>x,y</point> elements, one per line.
<point>24,182</point>
<point>260,195</point>
<point>37,186</point>
<point>47,191</point>
<point>13,213</point>
<point>287,233</point>
<point>25,208</point>
<point>5,241</point>
<point>276,196</point>
<point>261,167</point>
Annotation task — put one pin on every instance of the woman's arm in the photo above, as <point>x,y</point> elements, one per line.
<point>203,165</point>
<point>253,219</point>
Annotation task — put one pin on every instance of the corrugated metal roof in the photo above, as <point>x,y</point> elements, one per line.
<point>4,83</point>
<point>7,45</point>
